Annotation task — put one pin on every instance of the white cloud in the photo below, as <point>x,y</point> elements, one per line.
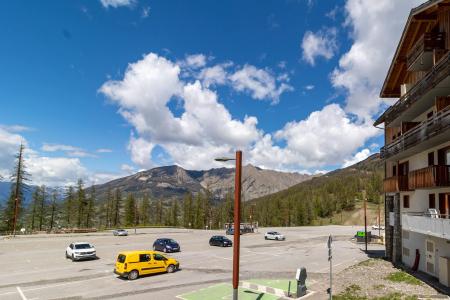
<point>360,156</point>
<point>326,137</point>
<point>104,150</point>
<point>16,128</point>
<point>309,87</point>
<point>117,3</point>
<point>68,149</point>
<point>376,28</point>
<point>205,128</point>
<point>141,152</point>
<point>145,12</point>
<point>259,83</point>
<point>195,61</point>
<point>320,44</point>
<point>127,169</point>
<point>216,75</point>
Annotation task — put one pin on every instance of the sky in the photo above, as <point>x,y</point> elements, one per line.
<point>102,89</point>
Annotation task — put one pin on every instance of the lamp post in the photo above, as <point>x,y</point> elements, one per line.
<point>237,219</point>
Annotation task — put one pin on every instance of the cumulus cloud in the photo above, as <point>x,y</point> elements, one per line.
<point>359,156</point>
<point>205,129</point>
<point>215,75</point>
<point>320,44</point>
<point>195,61</point>
<point>68,149</point>
<point>104,150</point>
<point>117,3</point>
<point>376,29</point>
<point>326,137</point>
<point>259,83</point>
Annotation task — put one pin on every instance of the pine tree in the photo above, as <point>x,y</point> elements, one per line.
<point>109,208</point>
<point>81,202</point>
<point>187,210</point>
<point>35,199</point>
<point>117,206</point>
<point>42,206</point>
<point>69,206</point>
<point>130,210</point>
<point>53,209</point>
<point>145,210</point>
<point>90,208</point>
<point>174,213</point>
<point>13,212</point>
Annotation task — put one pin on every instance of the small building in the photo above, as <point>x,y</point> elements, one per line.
<point>417,143</point>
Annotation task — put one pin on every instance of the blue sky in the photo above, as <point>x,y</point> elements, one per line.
<point>290,82</point>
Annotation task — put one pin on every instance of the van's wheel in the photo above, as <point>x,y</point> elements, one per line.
<point>72,258</point>
<point>133,275</point>
<point>170,269</point>
<point>266,238</point>
<point>67,256</point>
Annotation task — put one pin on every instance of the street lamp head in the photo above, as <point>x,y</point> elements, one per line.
<point>224,159</point>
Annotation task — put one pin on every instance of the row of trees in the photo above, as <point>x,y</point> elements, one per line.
<point>79,207</point>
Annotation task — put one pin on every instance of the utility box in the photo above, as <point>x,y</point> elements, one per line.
<point>301,282</point>
<point>444,270</point>
<point>361,236</point>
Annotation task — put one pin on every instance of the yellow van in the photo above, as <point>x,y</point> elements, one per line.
<point>132,264</point>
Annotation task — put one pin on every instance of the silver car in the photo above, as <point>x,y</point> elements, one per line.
<point>120,232</point>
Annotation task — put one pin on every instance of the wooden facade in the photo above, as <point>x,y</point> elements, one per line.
<point>429,177</point>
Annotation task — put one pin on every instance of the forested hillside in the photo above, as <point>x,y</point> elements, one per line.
<point>322,197</point>
<point>309,202</point>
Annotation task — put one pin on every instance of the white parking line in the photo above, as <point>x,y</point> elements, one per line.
<point>21,293</point>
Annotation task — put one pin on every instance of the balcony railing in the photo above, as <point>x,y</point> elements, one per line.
<point>424,131</point>
<point>429,177</point>
<point>395,184</point>
<point>425,224</point>
<point>427,42</point>
<point>439,72</point>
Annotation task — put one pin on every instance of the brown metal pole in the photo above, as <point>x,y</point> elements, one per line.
<point>379,218</point>
<point>365,221</point>
<point>237,223</point>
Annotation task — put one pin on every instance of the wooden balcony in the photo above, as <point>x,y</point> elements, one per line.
<point>395,184</point>
<point>436,75</point>
<point>429,177</point>
<point>420,56</point>
<point>426,130</point>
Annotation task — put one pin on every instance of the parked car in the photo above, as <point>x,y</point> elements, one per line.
<point>166,245</point>
<point>220,240</point>
<point>230,231</point>
<point>120,232</point>
<point>273,235</point>
<point>81,250</point>
<point>132,264</point>
<point>375,227</point>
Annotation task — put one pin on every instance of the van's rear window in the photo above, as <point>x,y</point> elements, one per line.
<point>121,258</point>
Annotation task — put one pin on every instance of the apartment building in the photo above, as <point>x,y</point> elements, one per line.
<point>417,143</point>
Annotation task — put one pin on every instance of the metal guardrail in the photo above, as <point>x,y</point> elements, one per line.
<point>439,72</point>
<point>422,132</point>
<point>427,42</point>
<point>423,223</point>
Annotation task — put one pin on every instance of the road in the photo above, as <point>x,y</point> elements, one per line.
<point>35,267</point>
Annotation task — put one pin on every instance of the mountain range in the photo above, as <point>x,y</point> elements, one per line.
<point>173,182</point>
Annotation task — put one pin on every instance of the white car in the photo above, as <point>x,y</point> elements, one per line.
<point>120,232</point>
<point>273,235</point>
<point>81,250</point>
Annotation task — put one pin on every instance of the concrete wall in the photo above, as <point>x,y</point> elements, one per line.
<point>412,241</point>
<point>420,160</point>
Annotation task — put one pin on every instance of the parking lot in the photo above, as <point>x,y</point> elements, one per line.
<point>35,267</point>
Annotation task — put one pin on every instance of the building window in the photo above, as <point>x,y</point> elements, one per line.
<point>406,201</point>
<point>405,251</point>
<point>405,235</point>
<point>430,115</point>
<point>431,158</point>
<point>431,201</point>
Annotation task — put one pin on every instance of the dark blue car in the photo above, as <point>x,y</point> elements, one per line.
<point>166,245</point>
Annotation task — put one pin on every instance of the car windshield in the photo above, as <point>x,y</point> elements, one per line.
<point>120,229</point>
<point>82,246</point>
<point>276,233</point>
<point>171,241</point>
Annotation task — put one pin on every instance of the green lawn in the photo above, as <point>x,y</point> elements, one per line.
<point>224,291</point>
